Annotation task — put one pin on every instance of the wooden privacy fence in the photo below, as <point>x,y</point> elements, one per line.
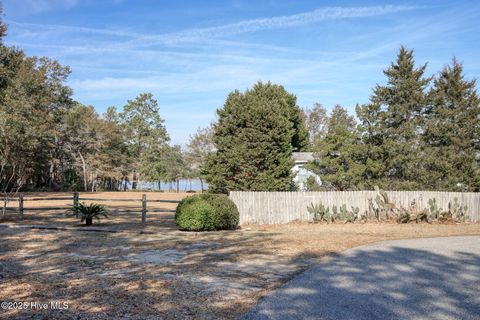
<point>76,199</point>
<point>284,207</point>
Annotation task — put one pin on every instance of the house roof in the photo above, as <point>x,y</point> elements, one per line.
<point>302,157</point>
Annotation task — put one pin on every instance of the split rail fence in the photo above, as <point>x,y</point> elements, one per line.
<point>284,207</point>
<point>76,199</point>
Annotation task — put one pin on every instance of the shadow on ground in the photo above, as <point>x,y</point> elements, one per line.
<point>439,281</point>
<point>166,275</point>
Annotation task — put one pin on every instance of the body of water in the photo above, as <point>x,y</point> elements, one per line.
<point>184,185</point>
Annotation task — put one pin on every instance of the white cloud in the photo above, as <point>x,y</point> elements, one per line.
<point>246,26</point>
<point>301,19</point>
<point>220,77</point>
<point>192,71</point>
<point>126,69</point>
<point>43,28</point>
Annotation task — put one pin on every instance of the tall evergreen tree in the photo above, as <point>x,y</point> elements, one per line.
<point>339,155</point>
<point>452,132</point>
<point>145,134</point>
<point>255,135</point>
<point>392,125</point>
<point>300,139</point>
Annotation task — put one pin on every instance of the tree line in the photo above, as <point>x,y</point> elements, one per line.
<point>49,141</point>
<point>417,132</point>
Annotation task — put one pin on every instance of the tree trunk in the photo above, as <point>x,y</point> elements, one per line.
<point>84,167</point>
<point>178,185</point>
<point>201,184</point>
<point>51,176</point>
<point>88,221</point>
<point>134,180</point>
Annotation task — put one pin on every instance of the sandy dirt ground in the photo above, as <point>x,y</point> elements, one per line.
<point>157,272</point>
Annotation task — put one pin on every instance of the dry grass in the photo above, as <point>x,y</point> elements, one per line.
<point>316,239</point>
<point>136,196</point>
<point>123,213</point>
<point>218,275</point>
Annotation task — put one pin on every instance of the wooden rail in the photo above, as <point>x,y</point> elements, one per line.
<point>76,199</point>
<point>47,199</point>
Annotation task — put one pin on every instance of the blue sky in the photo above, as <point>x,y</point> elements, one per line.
<point>191,54</point>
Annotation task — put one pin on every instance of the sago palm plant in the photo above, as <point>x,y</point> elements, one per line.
<point>88,212</point>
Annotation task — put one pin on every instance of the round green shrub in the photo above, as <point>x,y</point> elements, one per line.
<point>206,212</point>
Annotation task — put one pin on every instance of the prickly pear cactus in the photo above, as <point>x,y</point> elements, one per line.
<point>356,214</point>
<point>457,211</point>
<point>334,216</point>
<point>343,212</point>
<point>435,211</point>
<point>319,212</point>
<point>380,206</point>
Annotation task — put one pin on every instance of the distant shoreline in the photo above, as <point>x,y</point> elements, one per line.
<point>184,185</point>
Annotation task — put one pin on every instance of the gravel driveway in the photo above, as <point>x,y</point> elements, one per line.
<point>435,278</point>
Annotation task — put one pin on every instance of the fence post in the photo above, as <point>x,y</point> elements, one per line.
<point>144,208</point>
<point>75,203</point>
<point>75,199</point>
<point>20,206</point>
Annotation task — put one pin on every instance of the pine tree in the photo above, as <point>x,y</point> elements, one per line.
<point>146,135</point>
<point>392,126</point>
<point>452,132</point>
<point>338,155</point>
<point>255,135</point>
